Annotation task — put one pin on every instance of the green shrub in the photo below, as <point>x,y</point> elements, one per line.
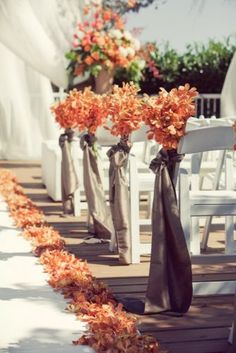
<point>205,66</point>
<point>201,65</point>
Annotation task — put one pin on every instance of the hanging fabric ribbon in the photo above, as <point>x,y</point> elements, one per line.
<point>169,286</point>
<point>95,195</point>
<point>69,178</point>
<point>119,198</point>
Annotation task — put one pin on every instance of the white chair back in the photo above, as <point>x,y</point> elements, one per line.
<point>209,138</point>
<point>105,138</point>
<point>140,135</point>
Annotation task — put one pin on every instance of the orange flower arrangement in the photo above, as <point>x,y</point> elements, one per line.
<point>64,111</point>
<point>167,114</point>
<point>83,110</point>
<point>92,111</point>
<point>101,41</point>
<point>125,109</point>
<point>110,328</point>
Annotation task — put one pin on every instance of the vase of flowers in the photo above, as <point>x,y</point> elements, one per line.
<point>104,81</point>
<point>101,46</point>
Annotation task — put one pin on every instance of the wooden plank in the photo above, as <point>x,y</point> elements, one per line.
<point>189,335</point>
<point>214,259</point>
<point>216,346</point>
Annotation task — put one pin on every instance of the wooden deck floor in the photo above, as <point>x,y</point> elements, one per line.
<point>204,329</point>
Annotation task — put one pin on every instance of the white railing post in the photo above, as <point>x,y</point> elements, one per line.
<point>204,100</point>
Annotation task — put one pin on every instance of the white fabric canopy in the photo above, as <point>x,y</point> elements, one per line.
<point>228,94</point>
<point>39,32</point>
<point>35,36</point>
<point>25,99</point>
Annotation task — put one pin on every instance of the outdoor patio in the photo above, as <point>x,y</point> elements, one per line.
<point>205,327</point>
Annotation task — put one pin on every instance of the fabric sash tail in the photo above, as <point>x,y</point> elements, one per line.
<point>169,286</point>
<point>95,195</point>
<point>119,198</point>
<point>69,178</point>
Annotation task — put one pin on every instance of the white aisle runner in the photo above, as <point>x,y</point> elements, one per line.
<point>32,316</point>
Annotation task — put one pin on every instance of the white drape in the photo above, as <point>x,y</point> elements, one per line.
<point>35,36</point>
<point>25,119</point>
<point>228,94</point>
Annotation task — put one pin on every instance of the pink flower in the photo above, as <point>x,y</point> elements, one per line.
<point>75,43</point>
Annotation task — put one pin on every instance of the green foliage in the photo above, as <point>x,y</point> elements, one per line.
<point>134,72</point>
<point>202,66</point>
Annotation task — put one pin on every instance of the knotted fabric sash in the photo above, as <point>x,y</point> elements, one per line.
<point>119,198</point>
<point>69,179</point>
<point>95,195</point>
<point>169,286</point>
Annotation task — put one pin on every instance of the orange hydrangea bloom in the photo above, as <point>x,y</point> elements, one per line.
<point>167,114</point>
<point>84,110</point>
<point>125,109</point>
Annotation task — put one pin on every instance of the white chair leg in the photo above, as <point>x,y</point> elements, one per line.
<point>149,205</point>
<point>229,220</point>
<point>229,240</point>
<point>134,212</point>
<point>184,207</point>
<point>77,203</point>
<point>206,232</point>
<point>216,183</point>
<point>195,237</point>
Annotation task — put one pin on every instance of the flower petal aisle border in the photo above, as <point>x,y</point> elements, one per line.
<point>110,328</point>
<point>33,315</point>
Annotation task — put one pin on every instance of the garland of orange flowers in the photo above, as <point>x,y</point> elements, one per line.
<point>167,114</point>
<point>111,329</point>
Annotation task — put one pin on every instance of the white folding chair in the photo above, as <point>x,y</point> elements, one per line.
<point>51,170</point>
<point>203,203</point>
<point>140,155</point>
<point>139,182</point>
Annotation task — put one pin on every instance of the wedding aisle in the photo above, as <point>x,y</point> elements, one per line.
<point>33,316</point>
<point>204,329</point>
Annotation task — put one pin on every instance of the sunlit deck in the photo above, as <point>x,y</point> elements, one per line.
<point>204,329</point>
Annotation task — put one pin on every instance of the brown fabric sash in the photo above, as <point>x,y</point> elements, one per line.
<point>95,195</point>
<point>69,178</point>
<point>169,286</point>
<point>119,198</point>
<point>170,276</point>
